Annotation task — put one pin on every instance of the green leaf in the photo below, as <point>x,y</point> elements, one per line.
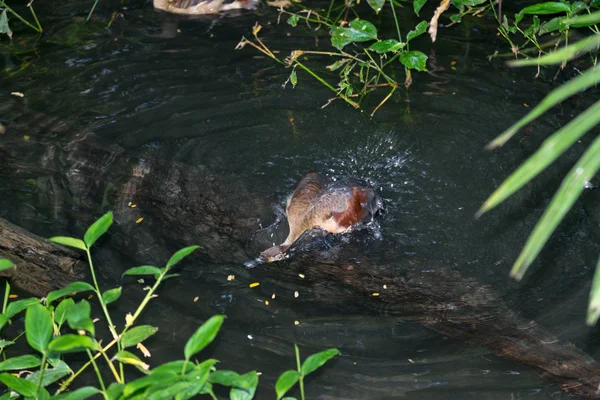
<point>200,373</point>
<point>467,3</point>
<point>170,391</point>
<point>69,241</point>
<point>180,255</point>
<point>317,360</point>
<point>5,343</point>
<point>78,317</point>
<point>418,31</point>
<point>593,312</point>
<point>293,20</point>
<point>38,327</point>
<point>336,65</point>
<point>5,263</point>
<point>228,378</point>
<point>71,343</point>
<point>251,379</point>
<point>3,320</point>
<point>564,54</point>
<point>143,270</point>
<point>551,7</point>
<point>111,295</point>
<point>130,358</point>
<point>79,394</point>
<point>21,386</point>
<point>553,25</point>
<point>60,313</point>
<point>172,368</point>
<point>359,31</point>
<point>17,306</point>
<point>137,335</point>
<point>293,78</point>
<point>414,60</point>
<point>98,229</point>
<point>376,5</point>
<point>549,151</point>
<point>564,91</point>
<point>60,370</point>
<point>417,5</point>
<point>285,382</point>
<point>115,390</point>
<point>203,336</point>
<point>71,288</point>
<point>386,46</point>
<point>4,28</point>
<point>20,362</point>
<point>158,379</point>
<point>582,20</point>
<point>568,192</point>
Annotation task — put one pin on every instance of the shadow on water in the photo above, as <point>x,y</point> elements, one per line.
<point>160,111</point>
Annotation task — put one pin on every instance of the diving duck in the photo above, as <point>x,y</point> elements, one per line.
<point>199,7</point>
<point>334,207</point>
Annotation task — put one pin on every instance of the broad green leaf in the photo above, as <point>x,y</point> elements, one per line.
<point>60,313</point>
<point>582,20</point>
<point>137,335</point>
<point>549,151</point>
<point>285,382</point>
<point>51,375</point>
<point>467,3</point>
<point>376,5</point>
<point>414,60</point>
<point>20,362</point>
<point>417,5</point>
<point>111,295</point>
<point>228,378</point>
<point>143,270</point>
<point>203,336</point>
<point>38,327</point>
<point>553,25</point>
<point>68,241</point>
<point>71,288</point>
<point>551,7</point>
<point>79,394</point>
<point>97,229</point>
<point>130,358</point>
<point>359,31</point>
<point>564,54</point>
<point>19,385</point>
<point>149,380</point>
<point>17,306</point>
<point>317,360</point>
<point>170,391</point>
<point>78,317</point>
<point>71,343</point>
<point>568,192</point>
<point>5,263</point>
<point>418,31</point>
<point>293,20</point>
<point>4,28</point>
<point>593,312</point>
<point>173,368</point>
<point>114,391</point>
<point>201,372</point>
<point>180,255</point>
<point>564,91</point>
<point>386,46</point>
<point>251,379</point>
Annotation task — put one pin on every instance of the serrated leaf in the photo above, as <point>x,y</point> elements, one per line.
<point>418,5</point>
<point>79,394</point>
<point>293,20</point>
<point>38,327</point>
<point>137,335</point>
<point>60,313</point>
<point>203,336</point>
<point>418,31</point>
<point>20,362</point>
<point>414,60</point>
<point>71,343</point>
<point>5,263</point>
<point>68,241</point>
<point>317,360</point>
<point>143,270</point>
<point>19,385</point>
<point>111,295</point>
<point>376,5</point>
<point>387,46</point>
<point>71,288</point>
<point>78,317</point>
<point>180,255</point>
<point>285,382</point>
<point>97,229</point>
<point>16,307</point>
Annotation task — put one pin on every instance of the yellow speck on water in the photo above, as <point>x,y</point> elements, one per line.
<point>411,361</point>
<point>139,220</point>
<point>18,94</point>
<point>129,204</point>
<point>196,299</point>
<point>385,286</point>
<point>254,284</point>
<point>526,105</point>
<point>296,322</point>
<point>231,277</point>
<point>133,206</point>
<point>26,137</point>
<point>266,302</point>
<point>13,296</point>
<point>296,294</point>
<point>273,296</point>
<point>301,276</point>
<point>354,363</point>
<point>375,294</point>
<point>452,62</point>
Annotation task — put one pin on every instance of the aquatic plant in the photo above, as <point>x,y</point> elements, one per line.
<point>58,325</point>
<point>5,10</point>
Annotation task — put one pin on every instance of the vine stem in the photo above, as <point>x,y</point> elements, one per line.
<point>39,382</point>
<point>23,20</point>
<point>301,378</point>
<point>92,360</point>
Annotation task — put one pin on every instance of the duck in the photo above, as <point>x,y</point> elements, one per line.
<point>336,207</point>
<point>201,7</point>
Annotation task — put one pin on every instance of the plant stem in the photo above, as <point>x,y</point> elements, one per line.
<point>6,294</point>
<point>396,20</point>
<point>91,11</point>
<point>317,77</point>
<point>110,364</point>
<point>37,21</point>
<point>39,382</point>
<point>301,379</point>
<point>23,20</point>
<point>89,353</point>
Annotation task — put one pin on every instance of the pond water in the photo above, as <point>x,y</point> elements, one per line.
<point>153,89</point>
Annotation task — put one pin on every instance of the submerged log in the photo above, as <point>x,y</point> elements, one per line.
<point>42,266</point>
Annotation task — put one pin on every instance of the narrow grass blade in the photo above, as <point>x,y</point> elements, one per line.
<point>583,20</point>
<point>593,312</point>
<point>564,54</point>
<point>549,151</point>
<point>564,91</point>
<point>570,189</point>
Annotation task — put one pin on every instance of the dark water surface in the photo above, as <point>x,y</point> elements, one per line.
<point>191,99</point>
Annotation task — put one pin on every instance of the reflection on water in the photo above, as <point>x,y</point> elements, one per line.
<point>104,108</point>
